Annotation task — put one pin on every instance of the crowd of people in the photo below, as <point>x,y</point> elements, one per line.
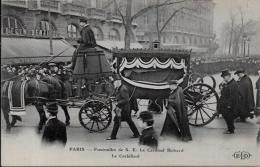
<point>212,66</point>
<point>237,102</point>
<point>27,72</point>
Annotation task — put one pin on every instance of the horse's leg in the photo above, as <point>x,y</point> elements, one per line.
<point>14,119</point>
<point>5,108</point>
<point>42,115</point>
<point>67,116</point>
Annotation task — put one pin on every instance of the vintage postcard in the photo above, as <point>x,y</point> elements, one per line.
<point>130,82</point>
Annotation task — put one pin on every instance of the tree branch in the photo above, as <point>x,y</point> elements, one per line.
<point>170,18</point>
<point>120,13</point>
<point>146,9</point>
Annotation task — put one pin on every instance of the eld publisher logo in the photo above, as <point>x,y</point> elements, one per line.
<point>243,155</point>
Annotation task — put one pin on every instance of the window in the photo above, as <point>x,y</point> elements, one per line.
<point>195,41</point>
<point>44,28</point>
<point>12,25</point>
<point>114,35</point>
<point>176,39</point>
<point>190,40</point>
<point>98,33</point>
<point>145,20</point>
<point>99,4</point>
<point>183,40</point>
<point>72,31</point>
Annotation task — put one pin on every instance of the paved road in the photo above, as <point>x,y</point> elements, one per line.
<point>209,144</point>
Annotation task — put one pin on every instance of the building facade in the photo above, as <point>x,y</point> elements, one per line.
<point>30,18</point>
<point>191,25</point>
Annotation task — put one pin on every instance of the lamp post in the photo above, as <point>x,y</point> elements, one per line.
<point>50,27</point>
<point>244,44</point>
<point>248,47</point>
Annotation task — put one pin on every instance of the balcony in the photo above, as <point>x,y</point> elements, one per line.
<point>73,9</point>
<point>94,13</point>
<point>114,18</point>
<point>28,33</point>
<point>13,31</point>
<point>16,3</point>
<point>54,5</point>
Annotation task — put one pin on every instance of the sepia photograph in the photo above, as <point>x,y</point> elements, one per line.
<point>130,83</point>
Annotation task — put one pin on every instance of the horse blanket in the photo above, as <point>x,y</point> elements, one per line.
<point>15,94</point>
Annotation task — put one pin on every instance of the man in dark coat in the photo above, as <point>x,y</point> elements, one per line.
<point>176,121</point>
<point>257,108</point>
<point>55,130</point>
<point>86,40</point>
<point>247,102</point>
<point>123,111</point>
<point>228,104</point>
<point>148,136</point>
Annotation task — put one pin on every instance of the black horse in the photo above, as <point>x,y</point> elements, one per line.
<point>37,93</point>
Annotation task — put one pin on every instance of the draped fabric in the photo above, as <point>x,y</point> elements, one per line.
<point>176,121</point>
<point>152,63</point>
<point>154,75</point>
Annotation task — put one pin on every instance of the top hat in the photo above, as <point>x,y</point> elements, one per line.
<point>52,107</point>
<point>146,116</point>
<point>225,73</point>
<point>239,71</point>
<point>172,82</point>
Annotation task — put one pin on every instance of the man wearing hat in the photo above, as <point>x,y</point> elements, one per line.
<point>86,40</point>
<point>176,121</point>
<point>55,130</point>
<point>122,110</point>
<point>148,136</point>
<point>247,96</point>
<point>228,104</point>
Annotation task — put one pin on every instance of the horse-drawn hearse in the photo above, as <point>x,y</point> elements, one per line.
<point>145,72</point>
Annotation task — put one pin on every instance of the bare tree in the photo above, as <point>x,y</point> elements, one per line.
<point>128,17</point>
<point>169,19</point>
<point>232,24</point>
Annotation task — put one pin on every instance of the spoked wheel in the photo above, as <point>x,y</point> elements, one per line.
<point>210,80</point>
<point>195,78</point>
<point>95,116</point>
<point>201,101</point>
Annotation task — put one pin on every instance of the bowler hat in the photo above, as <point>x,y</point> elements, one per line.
<point>52,107</point>
<point>225,73</point>
<point>241,70</point>
<point>172,82</point>
<point>146,116</point>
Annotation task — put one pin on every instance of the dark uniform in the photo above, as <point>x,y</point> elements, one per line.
<point>247,102</point>
<point>148,136</point>
<point>229,103</point>
<point>55,130</point>
<point>123,103</point>
<point>176,121</point>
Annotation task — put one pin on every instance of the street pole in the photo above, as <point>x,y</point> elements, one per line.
<point>50,28</point>
<point>248,47</point>
<point>244,48</point>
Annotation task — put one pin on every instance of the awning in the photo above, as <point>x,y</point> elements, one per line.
<point>31,50</point>
<point>118,44</point>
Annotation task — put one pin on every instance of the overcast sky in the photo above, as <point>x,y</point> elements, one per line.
<point>224,7</point>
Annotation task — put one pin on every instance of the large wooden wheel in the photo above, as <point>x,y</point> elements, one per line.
<point>201,101</point>
<point>196,78</point>
<point>95,115</point>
